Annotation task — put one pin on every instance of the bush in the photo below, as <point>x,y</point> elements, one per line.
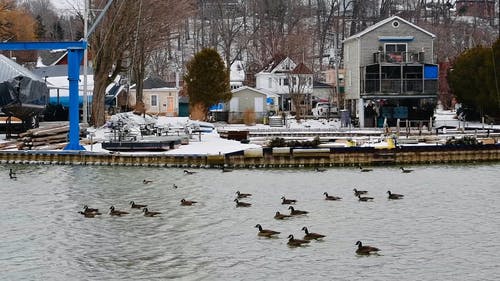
<point>281,142</point>
<point>466,140</point>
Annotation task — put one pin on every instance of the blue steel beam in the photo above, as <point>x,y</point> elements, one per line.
<point>28,46</point>
<point>75,55</point>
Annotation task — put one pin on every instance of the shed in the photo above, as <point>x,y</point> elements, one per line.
<point>247,100</point>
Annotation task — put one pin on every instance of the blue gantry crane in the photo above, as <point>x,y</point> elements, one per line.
<point>75,56</point>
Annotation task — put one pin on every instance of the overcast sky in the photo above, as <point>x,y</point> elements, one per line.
<point>64,4</point>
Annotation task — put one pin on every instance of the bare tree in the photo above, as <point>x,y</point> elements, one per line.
<point>300,82</point>
<point>154,22</point>
<point>109,44</point>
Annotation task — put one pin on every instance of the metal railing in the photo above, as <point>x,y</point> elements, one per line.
<point>398,57</point>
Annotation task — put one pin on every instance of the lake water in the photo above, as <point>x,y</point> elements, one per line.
<point>446,228</point>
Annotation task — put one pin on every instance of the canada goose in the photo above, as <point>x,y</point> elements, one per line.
<point>187,172</point>
<point>359,192</point>
<point>405,170</point>
<point>12,174</point>
<point>114,212</point>
<point>364,169</point>
<point>330,197</point>
<point>185,202</point>
<point>320,169</point>
<point>266,232</point>
<point>89,215</point>
<point>280,216</point>
<point>311,235</point>
<point>147,181</point>
<point>364,199</point>
<point>296,242</point>
<point>287,201</point>
<point>242,204</point>
<point>243,195</point>
<point>86,209</point>
<point>394,195</point>
<point>136,206</point>
<point>147,213</point>
<point>365,250</point>
<point>294,212</point>
<point>175,186</point>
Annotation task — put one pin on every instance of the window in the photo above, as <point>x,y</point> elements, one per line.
<point>395,52</point>
<point>285,82</point>
<point>154,100</point>
<point>395,48</point>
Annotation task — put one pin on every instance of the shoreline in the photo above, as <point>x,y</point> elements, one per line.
<point>268,157</point>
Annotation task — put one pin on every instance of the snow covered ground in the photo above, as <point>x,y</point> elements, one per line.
<point>210,143</point>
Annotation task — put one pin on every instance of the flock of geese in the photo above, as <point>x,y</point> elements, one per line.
<point>93,212</point>
<point>88,212</point>
<point>308,236</point>
<point>292,241</point>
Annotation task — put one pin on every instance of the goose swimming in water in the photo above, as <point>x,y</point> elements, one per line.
<point>359,192</point>
<point>365,198</point>
<point>364,169</point>
<point>311,235</point>
<point>406,171</point>
<point>266,232</point>
<point>242,204</point>
<point>365,250</point>
<point>136,206</point>
<point>187,172</point>
<point>148,213</point>
<point>12,174</point>
<point>331,198</point>
<point>280,216</point>
<point>294,212</point>
<point>394,195</point>
<point>242,195</point>
<point>89,215</point>
<point>114,212</point>
<point>86,209</point>
<point>296,242</point>
<point>185,202</point>
<point>287,201</point>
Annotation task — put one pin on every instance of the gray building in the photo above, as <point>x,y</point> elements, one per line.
<point>390,73</point>
<point>250,100</point>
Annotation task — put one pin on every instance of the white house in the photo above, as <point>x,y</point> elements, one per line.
<point>237,74</point>
<point>277,77</point>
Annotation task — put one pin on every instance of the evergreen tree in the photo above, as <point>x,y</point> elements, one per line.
<point>474,79</point>
<point>207,81</point>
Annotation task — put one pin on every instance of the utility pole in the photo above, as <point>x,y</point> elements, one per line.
<point>85,62</point>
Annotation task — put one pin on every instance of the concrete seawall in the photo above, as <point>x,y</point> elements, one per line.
<point>268,158</point>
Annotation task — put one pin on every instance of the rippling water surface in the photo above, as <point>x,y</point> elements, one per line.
<point>446,227</point>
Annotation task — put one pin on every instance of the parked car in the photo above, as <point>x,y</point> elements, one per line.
<point>321,109</point>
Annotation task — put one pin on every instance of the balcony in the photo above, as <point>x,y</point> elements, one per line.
<point>407,87</point>
<point>398,57</point>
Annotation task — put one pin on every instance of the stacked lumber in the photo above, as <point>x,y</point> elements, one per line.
<point>8,145</point>
<point>47,138</point>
